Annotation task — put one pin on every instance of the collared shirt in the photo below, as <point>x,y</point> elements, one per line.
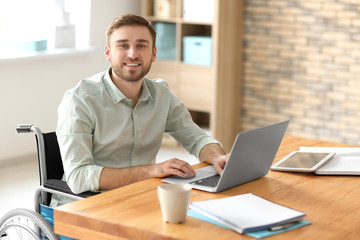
<point>99,127</point>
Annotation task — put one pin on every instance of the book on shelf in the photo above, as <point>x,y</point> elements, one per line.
<point>247,213</point>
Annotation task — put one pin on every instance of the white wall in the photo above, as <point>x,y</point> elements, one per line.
<point>31,90</point>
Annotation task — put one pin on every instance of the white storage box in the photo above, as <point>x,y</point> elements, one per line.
<point>198,10</point>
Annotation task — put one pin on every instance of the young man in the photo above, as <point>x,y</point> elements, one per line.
<point>111,125</point>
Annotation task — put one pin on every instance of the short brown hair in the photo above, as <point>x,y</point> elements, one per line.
<point>128,20</point>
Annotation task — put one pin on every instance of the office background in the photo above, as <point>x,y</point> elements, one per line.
<point>31,89</point>
<point>301,61</point>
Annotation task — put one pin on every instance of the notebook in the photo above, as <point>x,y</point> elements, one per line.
<point>251,157</point>
<point>248,213</point>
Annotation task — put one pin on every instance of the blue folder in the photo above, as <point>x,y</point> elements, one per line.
<point>257,234</point>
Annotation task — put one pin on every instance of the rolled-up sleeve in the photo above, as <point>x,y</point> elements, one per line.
<point>74,134</point>
<point>181,127</point>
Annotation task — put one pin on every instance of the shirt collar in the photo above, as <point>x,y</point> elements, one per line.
<point>117,96</point>
<point>145,92</point>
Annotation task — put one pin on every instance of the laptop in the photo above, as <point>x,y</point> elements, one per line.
<point>251,157</point>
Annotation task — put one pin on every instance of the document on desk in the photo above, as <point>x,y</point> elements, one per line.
<point>247,212</point>
<point>345,162</point>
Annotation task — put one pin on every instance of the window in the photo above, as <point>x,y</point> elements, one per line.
<point>33,26</point>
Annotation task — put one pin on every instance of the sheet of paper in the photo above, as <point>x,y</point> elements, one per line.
<point>345,162</point>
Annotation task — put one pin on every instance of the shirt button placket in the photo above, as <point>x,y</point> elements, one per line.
<point>137,138</point>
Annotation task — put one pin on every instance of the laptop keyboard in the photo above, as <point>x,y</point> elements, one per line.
<point>211,181</point>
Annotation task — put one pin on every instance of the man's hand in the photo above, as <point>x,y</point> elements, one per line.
<point>173,166</point>
<point>219,163</point>
<point>214,154</point>
<point>111,178</point>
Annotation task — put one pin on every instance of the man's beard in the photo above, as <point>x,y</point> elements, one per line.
<point>130,75</point>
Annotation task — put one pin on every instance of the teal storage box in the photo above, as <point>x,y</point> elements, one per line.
<point>197,50</point>
<point>165,40</point>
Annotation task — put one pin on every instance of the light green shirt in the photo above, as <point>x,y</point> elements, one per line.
<point>98,127</point>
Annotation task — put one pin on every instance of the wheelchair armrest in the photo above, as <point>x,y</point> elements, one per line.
<point>61,186</point>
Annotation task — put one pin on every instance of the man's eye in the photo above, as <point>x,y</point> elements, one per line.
<point>122,45</point>
<point>141,46</point>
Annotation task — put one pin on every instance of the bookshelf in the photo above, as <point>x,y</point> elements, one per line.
<point>212,92</point>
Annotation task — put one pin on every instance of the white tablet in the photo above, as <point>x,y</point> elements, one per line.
<point>302,161</point>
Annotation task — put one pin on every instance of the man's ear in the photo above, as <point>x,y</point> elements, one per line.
<point>154,54</point>
<point>107,52</point>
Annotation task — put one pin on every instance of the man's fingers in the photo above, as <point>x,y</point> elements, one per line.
<point>220,163</point>
<point>180,168</point>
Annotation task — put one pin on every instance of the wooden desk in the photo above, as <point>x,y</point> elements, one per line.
<point>332,204</point>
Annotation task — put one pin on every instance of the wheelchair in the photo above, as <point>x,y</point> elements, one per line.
<point>27,224</point>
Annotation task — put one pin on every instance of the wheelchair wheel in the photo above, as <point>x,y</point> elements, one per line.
<point>24,224</point>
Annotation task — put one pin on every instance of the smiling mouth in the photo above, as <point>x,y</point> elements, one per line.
<point>132,64</point>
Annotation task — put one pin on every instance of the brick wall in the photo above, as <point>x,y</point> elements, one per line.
<point>302,62</point>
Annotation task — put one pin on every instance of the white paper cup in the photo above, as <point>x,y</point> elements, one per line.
<point>174,201</point>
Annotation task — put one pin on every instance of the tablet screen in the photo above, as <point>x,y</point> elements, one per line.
<point>303,160</point>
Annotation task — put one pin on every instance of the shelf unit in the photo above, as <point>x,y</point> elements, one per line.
<point>211,93</point>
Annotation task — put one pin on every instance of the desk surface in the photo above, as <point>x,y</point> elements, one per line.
<point>331,203</point>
